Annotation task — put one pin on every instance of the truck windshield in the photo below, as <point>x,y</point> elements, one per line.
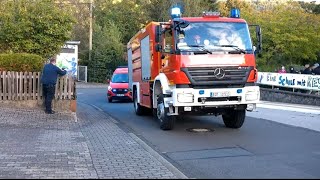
<point>215,36</point>
<point>120,78</point>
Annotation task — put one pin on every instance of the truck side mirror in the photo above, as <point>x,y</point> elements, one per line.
<point>259,38</point>
<point>158,33</point>
<point>258,46</point>
<point>158,48</point>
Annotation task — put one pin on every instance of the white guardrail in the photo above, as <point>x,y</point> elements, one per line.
<point>288,80</point>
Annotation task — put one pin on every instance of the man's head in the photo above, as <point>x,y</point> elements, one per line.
<point>53,60</point>
<point>197,39</point>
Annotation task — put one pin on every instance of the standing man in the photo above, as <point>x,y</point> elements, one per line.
<point>307,69</point>
<point>316,69</point>
<point>49,79</point>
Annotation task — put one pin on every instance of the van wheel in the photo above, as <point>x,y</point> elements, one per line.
<point>166,122</point>
<point>137,107</point>
<point>109,100</point>
<point>234,118</point>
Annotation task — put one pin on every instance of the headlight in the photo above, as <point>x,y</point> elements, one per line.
<point>252,96</point>
<point>114,90</point>
<point>109,88</point>
<point>185,98</point>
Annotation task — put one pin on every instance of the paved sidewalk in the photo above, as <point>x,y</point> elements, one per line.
<point>289,107</point>
<point>36,145</point>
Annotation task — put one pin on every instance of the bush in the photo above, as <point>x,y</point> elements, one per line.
<point>21,62</point>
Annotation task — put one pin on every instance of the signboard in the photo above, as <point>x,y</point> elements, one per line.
<point>68,57</point>
<point>297,81</point>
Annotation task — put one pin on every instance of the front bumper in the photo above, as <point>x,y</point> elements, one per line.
<point>118,96</point>
<point>213,97</point>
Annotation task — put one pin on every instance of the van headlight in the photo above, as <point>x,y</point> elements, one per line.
<point>185,97</point>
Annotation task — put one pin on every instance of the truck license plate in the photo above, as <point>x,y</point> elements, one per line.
<point>220,94</point>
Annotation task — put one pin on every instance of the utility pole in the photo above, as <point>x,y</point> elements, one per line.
<point>90,40</point>
<point>90,31</point>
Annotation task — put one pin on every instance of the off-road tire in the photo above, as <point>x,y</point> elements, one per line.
<point>137,107</point>
<point>234,118</point>
<point>166,122</point>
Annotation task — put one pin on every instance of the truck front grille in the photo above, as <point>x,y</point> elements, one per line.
<point>228,75</point>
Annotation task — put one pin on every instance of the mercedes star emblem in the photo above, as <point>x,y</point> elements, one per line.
<point>219,73</point>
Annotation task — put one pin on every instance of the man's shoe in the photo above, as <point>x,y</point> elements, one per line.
<point>50,112</point>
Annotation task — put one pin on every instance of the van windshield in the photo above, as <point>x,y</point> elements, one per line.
<point>120,78</point>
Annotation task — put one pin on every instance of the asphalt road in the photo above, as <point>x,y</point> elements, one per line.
<point>262,148</point>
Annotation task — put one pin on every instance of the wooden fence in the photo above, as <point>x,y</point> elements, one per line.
<point>27,86</point>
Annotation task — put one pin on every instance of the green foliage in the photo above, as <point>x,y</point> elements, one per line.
<point>159,10</point>
<point>33,26</point>
<point>310,7</point>
<point>107,53</point>
<point>21,62</point>
<point>127,15</point>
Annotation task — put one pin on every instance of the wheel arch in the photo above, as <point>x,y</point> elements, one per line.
<point>136,87</point>
<point>160,85</point>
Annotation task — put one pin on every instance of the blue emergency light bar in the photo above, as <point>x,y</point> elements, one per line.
<point>235,13</point>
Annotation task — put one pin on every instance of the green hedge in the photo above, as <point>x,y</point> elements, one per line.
<point>21,62</point>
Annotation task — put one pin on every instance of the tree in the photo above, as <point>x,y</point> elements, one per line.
<point>34,26</point>
<point>107,52</point>
<point>159,10</point>
<point>128,15</point>
<point>81,12</point>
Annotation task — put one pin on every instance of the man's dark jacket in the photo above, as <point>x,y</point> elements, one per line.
<point>307,71</point>
<point>50,74</point>
<point>316,71</point>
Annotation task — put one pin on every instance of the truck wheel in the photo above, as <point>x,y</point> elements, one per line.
<point>109,100</point>
<point>166,122</point>
<point>137,107</point>
<point>234,118</point>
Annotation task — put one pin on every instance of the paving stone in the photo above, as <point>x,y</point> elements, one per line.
<point>37,145</point>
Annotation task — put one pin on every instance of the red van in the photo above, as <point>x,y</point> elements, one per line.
<point>118,88</point>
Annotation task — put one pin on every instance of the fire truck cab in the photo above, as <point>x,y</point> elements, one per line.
<point>195,65</point>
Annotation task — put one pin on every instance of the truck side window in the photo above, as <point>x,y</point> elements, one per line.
<point>168,41</point>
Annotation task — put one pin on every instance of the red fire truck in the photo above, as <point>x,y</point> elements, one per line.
<point>195,65</point>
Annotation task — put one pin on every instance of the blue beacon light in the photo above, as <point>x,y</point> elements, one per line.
<point>235,13</point>
<point>175,12</point>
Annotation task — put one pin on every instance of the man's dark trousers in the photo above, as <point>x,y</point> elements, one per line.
<point>48,93</point>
